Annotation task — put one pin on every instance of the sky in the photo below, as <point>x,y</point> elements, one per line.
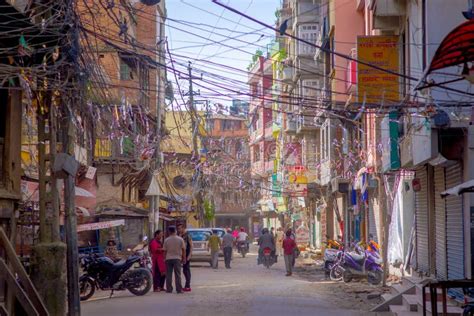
<point>216,40</point>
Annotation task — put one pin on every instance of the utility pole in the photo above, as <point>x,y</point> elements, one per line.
<point>196,155</point>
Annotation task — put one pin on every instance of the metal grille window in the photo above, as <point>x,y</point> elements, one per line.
<point>310,89</point>
<point>309,33</point>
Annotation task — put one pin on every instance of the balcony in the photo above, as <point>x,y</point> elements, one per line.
<point>387,14</point>
<point>107,150</point>
<point>307,123</point>
<point>290,124</point>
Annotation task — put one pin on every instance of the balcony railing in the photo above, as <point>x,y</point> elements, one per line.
<point>121,149</point>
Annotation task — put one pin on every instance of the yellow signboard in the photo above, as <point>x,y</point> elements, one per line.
<point>376,85</point>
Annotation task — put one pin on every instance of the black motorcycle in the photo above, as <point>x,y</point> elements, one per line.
<point>102,273</point>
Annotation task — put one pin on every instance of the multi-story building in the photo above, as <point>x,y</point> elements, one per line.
<point>302,85</point>
<point>228,176</point>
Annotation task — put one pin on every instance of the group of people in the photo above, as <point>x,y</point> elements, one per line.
<point>170,257</point>
<point>285,245</point>
<point>229,240</point>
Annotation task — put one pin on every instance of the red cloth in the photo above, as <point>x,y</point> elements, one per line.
<point>289,246</point>
<point>157,255</point>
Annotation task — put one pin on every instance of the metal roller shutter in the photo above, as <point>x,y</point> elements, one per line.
<point>372,220</point>
<point>421,209</point>
<point>454,225</point>
<point>440,217</point>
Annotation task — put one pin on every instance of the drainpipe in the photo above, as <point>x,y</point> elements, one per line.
<point>383,225</point>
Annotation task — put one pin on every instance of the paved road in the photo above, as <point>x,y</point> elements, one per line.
<point>246,289</point>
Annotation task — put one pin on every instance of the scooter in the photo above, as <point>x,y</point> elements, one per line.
<point>360,264</point>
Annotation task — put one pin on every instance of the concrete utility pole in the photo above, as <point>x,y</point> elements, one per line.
<point>196,155</point>
<point>75,97</point>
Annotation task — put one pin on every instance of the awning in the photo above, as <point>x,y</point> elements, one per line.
<point>465,187</point>
<point>456,48</point>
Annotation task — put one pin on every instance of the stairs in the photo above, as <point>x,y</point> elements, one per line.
<point>406,299</point>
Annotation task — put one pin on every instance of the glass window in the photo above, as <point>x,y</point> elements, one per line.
<point>199,235</point>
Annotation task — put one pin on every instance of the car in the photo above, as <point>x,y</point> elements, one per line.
<point>200,238</point>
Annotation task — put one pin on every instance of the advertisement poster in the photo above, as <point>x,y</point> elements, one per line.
<point>373,84</point>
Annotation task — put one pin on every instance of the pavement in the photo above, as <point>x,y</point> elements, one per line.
<point>245,289</point>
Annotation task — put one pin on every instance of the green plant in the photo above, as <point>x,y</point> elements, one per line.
<point>277,13</point>
<point>209,210</point>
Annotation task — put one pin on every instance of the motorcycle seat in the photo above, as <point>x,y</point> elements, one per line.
<point>123,262</point>
<point>357,257</point>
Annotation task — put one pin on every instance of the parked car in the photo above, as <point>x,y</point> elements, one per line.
<point>200,237</point>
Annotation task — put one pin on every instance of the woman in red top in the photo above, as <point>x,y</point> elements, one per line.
<point>158,262</point>
<point>289,246</point>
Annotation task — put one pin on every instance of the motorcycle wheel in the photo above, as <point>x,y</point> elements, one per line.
<point>145,284</point>
<point>266,262</point>
<point>347,276</point>
<point>86,289</point>
<point>375,277</point>
<point>336,273</point>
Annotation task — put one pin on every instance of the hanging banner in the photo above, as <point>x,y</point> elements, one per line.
<point>302,235</point>
<point>373,84</point>
<point>100,225</point>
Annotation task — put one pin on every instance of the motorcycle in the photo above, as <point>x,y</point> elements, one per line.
<point>268,258</point>
<point>102,273</point>
<point>242,248</point>
<point>333,247</point>
<point>141,250</point>
<point>358,264</point>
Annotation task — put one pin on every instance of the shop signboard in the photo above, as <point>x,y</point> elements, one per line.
<point>100,225</point>
<point>377,86</point>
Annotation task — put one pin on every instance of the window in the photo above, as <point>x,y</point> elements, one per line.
<point>309,33</point>
<point>310,89</point>
<point>127,68</point>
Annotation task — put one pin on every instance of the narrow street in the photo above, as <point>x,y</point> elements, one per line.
<point>246,289</point>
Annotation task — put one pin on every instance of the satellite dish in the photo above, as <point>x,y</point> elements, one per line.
<point>150,2</point>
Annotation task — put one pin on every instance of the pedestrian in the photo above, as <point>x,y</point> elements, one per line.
<point>214,245</point>
<point>227,244</point>
<point>235,233</point>
<point>158,262</point>
<point>175,255</point>
<point>272,231</point>
<point>289,246</point>
<point>189,250</point>
<point>280,236</point>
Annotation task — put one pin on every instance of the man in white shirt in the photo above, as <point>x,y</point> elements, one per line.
<point>243,237</point>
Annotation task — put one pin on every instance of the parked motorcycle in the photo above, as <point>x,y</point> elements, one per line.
<point>141,250</point>
<point>102,273</point>
<point>359,264</point>
<point>242,248</point>
<point>333,247</point>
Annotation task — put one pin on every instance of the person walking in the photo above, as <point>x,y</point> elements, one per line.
<point>189,250</point>
<point>289,246</point>
<point>280,236</point>
<point>227,244</point>
<point>158,262</point>
<point>214,245</point>
<point>175,255</point>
